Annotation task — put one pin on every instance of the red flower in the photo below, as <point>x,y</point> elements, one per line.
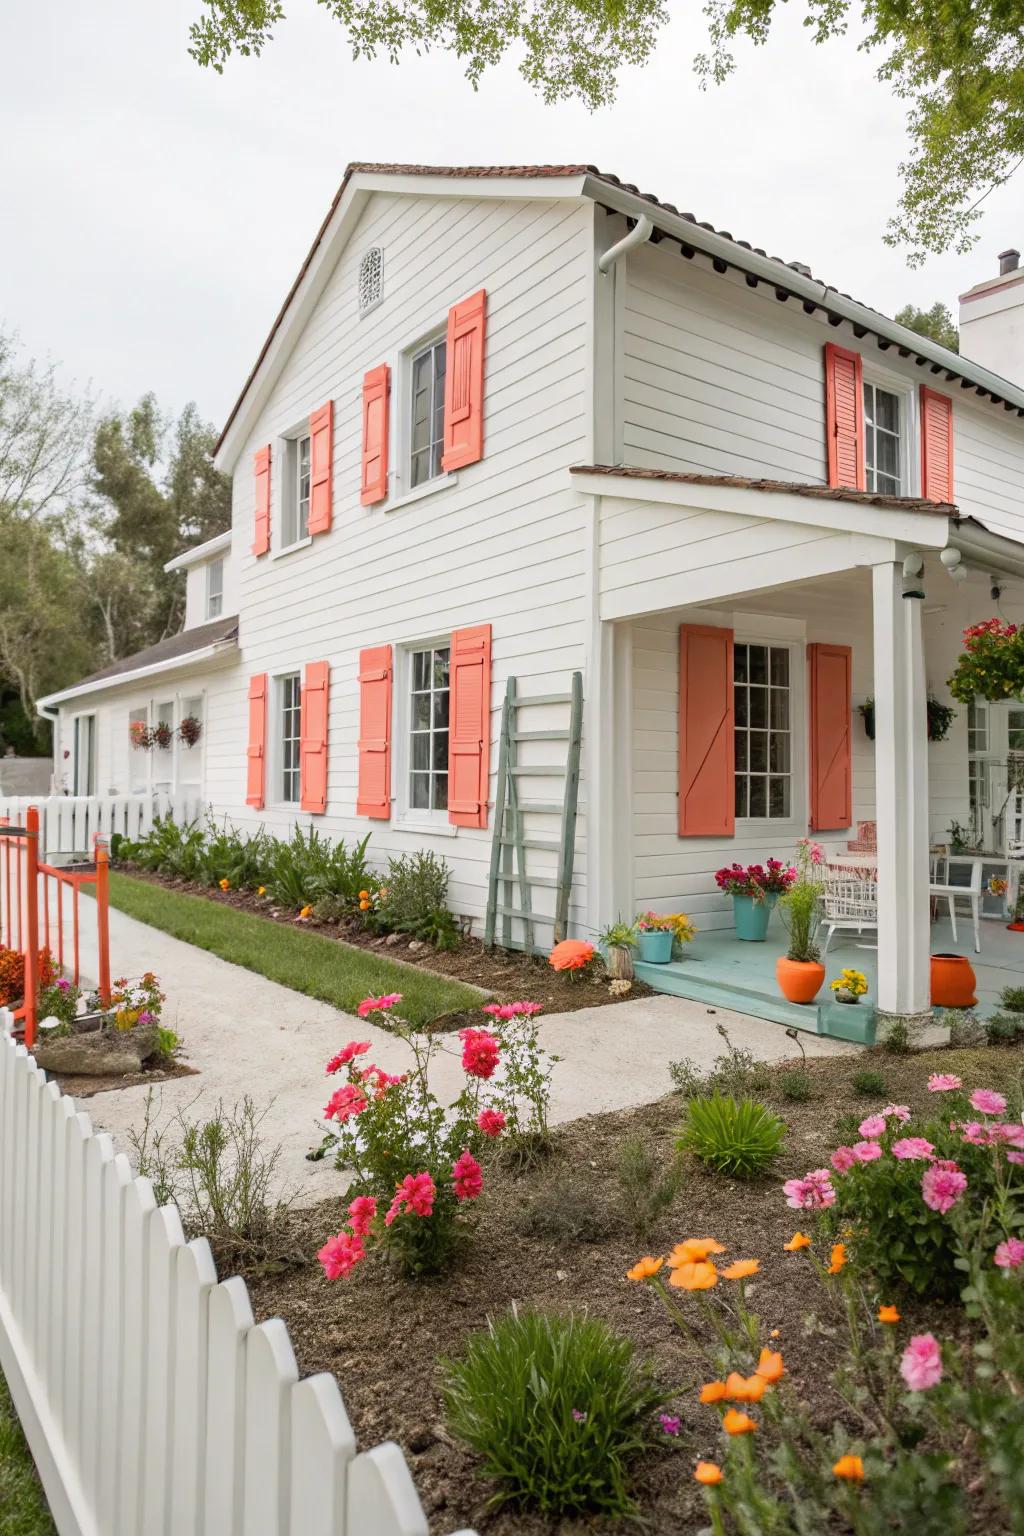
<point>480,1052</point>
<point>467,1177</point>
<point>350,1100</point>
<point>491,1122</point>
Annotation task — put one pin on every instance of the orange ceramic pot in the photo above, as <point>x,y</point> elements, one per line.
<point>953,982</point>
<point>799,980</point>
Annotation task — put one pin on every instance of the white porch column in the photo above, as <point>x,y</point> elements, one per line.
<point>901,796</point>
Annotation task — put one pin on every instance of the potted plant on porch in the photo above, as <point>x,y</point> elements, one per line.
<point>799,971</point>
<point>618,941</point>
<point>754,891</point>
<point>655,935</point>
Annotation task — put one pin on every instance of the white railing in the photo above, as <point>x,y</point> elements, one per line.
<point>151,1401</point>
<point>69,823</point>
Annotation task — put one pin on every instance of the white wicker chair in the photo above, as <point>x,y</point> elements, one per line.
<point>849,904</point>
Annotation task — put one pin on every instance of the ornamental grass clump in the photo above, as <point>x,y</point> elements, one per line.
<point>800,905</point>
<point>557,1407</point>
<point>740,1139</point>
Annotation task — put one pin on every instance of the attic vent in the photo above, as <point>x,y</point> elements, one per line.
<point>371,271</point>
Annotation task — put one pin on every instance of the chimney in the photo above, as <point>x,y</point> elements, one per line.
<point>992,320</point>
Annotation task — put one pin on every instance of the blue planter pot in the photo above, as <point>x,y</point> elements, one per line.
<point>656,946</point>
<point>751,917</point>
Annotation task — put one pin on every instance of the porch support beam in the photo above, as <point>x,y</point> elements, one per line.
<point>901,794</point>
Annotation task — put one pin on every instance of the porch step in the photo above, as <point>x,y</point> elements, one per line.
<point>683,980</point>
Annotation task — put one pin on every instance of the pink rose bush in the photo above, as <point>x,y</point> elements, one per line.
<point>416,1162</point>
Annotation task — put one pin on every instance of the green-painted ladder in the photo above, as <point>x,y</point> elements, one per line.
<point>510,883</point>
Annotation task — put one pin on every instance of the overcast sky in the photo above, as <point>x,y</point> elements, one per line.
<point>153,214</point>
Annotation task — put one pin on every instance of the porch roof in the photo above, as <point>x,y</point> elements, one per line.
<point>191,645</point>
<point>788,487</point>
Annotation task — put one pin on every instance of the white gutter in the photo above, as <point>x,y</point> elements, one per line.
<point>985,551</point>
<point>220,541</point>
<point>155,669</point>
<point>642,231</point>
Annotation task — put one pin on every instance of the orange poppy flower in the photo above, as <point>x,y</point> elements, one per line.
<point>797,1241</point>
<point>571,955</point>
<point>770,1365</point>
<point>693,1250</point>
<point>888,1315</point>
<point>644,1268</point>
<point>838,1258</point>
<point>694,1277</point>
<point>708,1473</point>
<point>713,1392</point>
<point>850,1469</point>
<point>745,1389</point>
<point>741,1269</point>
<point>736,1422</point>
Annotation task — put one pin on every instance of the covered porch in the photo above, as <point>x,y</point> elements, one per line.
<point>881,587</point>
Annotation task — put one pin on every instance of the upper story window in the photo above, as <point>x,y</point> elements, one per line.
<point>289,710</point>
<point>764,731</point>
<point>371,276</point>
<point>882,440</point>
<point>428,728</point>
<point>426,425</point>
<point>215,589</point>
<point>295,521</point>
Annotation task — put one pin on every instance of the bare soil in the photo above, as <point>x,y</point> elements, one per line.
<point>80,1086</point>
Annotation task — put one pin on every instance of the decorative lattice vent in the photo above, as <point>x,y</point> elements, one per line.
<point>371,273</point>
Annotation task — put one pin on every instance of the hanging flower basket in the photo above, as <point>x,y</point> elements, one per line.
<point>940,718</point>
<point>189,730</point>
<point>991,665</point>
<point>141,736</point>
<point>162,734</point>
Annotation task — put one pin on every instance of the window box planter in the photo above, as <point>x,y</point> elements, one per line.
<point>656,945</point>
<point>751,916</point>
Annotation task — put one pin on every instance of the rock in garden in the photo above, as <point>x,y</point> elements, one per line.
<point>107,1053</point>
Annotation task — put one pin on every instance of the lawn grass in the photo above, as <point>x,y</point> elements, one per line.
<point>307,962</point>
<point>23,1507</point>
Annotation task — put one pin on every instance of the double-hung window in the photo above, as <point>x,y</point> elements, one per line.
<point>883,447</point>
<point>215,589</point>
<point>296,499</point>
<point>289,712</point>
<point>428,728</point>
<point>84,759</point>
<point>426,424</point>
<point>763,703</point>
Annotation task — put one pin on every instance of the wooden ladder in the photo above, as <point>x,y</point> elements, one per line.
<point>509,888</point>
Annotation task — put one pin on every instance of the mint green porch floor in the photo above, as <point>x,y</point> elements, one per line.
<point>719,968</point>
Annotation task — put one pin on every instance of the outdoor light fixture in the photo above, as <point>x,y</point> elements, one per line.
<point>913,570</point>
<point>952,559</point>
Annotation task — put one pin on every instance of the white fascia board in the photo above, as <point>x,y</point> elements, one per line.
<point>155,669</point>
<point>927,529</point>
<point>201,552</point>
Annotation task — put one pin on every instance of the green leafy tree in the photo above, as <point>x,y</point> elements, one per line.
<point>936,323</point>
<point>957,63</point>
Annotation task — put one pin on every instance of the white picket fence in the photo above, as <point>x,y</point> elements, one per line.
<point>151,1401</point>
<point>69,823</point>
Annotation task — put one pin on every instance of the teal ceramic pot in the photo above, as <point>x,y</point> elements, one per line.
<point>751,917</point>
<point>656,946</point>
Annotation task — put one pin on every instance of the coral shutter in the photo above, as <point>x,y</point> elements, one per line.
<point>844,417</point>
<point>376,390</point>
<point>374,793</point>
<point>936,445</point>
<point>261,468</point>
<point>464,383</point>
<point>256,756</point>
<point>831,749</point>
<point>469,731</point>
<point>707,748</point>
<point>321,463</point>
<point>313,738</point>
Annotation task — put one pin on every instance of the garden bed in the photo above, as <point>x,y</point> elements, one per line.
<point>505,974</point>
<point>79,1086</point>
<point>384,1336</point>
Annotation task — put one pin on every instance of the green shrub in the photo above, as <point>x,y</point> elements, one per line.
<point>566,1211</point>
<point>556,1407</point>
<point>1004,1029</point>
<point>965,1028</point>
<point>414,900</point>
<point>735,1072</point>
<point>847,1127</point>
<point>870,1084</point>
<point>646,1187</point>
<point>738,1139</point>
<point>1012,999</point>
<point>796,1085</point>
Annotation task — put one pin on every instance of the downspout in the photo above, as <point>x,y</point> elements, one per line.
<point>641,232</point>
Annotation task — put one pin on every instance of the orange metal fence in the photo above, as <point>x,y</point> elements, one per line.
<point>33,915</point>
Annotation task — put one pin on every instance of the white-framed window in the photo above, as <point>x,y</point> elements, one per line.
<point>162,751</point>
<point>371,279</point>
<point>426,411</point>
<point>426,728</point>
<point>884,439</point>
<point>288,718</point>
<point>295,520</point>
<point>215,589</point>
<point>138,756</point>
<point>190,758</point>
<point>764,730</point>
<point>83,760</point>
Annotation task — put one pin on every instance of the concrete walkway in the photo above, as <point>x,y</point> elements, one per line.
<point>248,1035</point>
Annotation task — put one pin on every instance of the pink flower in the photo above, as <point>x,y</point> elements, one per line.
<point>416,1193</point>
<point>1015,1157</point>
<point>480,1052</point>
<point>1009,1132</point>
<point>670,1423</point>
<point>921,1366</point>
<point>913,1148</point>
<point>900,1112</point>
<point>512,1010</point>
<point>1010,1255</point>
<point>361,1213</point>
<point>382,1080</point>
<point>987,1102</point>
<point>349,1100</point>
<point>491,1122</point>
<point>345,1055</point>
<point>811,1193</point>
<point>467,1177</point>
<point>866,1151</point>
<point>378,1004</point>
<point>843,1159</point>
<point>340,1255</point>
<point>944,1082</point>
<point>974,1132</point>
<point>873,1127</point>
<point>941,1186</point>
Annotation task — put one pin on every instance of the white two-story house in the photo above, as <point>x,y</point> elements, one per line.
<point>521,422</point>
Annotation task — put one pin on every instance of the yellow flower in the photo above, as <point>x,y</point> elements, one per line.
<point>797,1241</point>
<point>262,891</point>
<point>838,1258</point>
<point>741,1269</point>
<point>850,1469</point>
<point>225,885</point>
<point>306,912</point>
<point>644,1268</point>
<point>708,1473</point>
<point>888,1314</point>
<point>736,1422</point>
<point>697,1276</point>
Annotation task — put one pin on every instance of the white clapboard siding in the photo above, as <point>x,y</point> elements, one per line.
<point>151,1399</point>
<point>71,823</point>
